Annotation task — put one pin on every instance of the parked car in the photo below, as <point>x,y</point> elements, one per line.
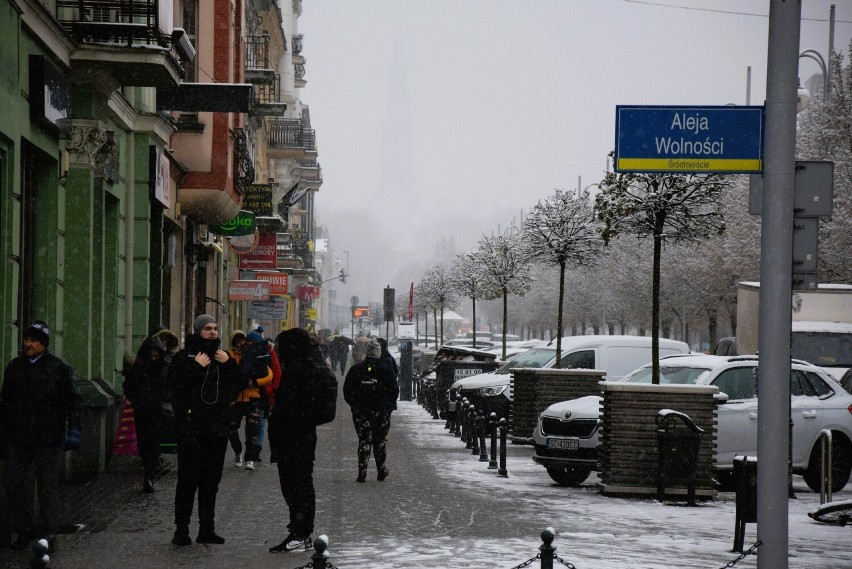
<point>566,436</point>
<point>616,355</point>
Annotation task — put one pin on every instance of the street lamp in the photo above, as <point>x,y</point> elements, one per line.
<point>826,80</point>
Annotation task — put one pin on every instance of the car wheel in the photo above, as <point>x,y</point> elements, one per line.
<point>841,464</point>
<point>569,475</point>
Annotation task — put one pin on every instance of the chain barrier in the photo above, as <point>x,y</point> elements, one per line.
<point>744,554</point>
<point>528,562</point>
<point>310,565</point>
<point>562,561</point>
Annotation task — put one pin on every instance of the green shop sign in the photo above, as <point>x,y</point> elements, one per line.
<point>243,224</point>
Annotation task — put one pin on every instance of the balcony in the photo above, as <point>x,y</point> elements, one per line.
<point>258,70</point>
<point>266,98</point>
<point>289,139</point>
<point>126,38</point>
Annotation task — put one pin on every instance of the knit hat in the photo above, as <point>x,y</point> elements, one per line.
<point>201,322</point>
<point>38,330</point>
<point>236,336</point>
<point>374,350</point>
<point>254,336</point>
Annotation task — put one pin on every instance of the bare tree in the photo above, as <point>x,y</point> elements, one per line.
<point>468,280</point>
<point>440,290</point>
<point>562,230</point>
<point>665,207</point>
<point>506,265</point>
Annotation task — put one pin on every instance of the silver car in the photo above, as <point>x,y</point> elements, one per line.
<point>566,436</point>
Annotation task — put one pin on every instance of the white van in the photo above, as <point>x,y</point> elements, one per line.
<point>615,355</point>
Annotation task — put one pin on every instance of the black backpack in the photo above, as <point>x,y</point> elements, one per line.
<point>256,360</point>
<point>323,395</point>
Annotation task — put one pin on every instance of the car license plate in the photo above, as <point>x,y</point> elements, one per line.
<point>564,444</point>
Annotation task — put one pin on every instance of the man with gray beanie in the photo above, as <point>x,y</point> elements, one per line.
<point>205,380</point>
<point>371,390</point>
<point>40,416</point>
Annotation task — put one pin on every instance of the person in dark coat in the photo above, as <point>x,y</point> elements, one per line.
<point>145,388</point>
<point>40,416</point>
<point>371,390</point>
<point>293,436</point>
<point>339,351</point>
<point>205,380</point>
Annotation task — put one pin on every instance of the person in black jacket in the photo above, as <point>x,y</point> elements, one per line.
<point>371,390</point>
<point>293,435</point>
<point>40,416</point>
<point>205,380</point>
<point>145,388</point>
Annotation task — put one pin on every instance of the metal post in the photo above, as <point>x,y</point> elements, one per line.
<point>458,430</point>
<point>483,449</point>
<point>547,549</point>
<point>492,423</point>
<point>473,439</point>
<point>320,557</point>
<point>463,421</point>
<point>826,477</point>
<point>776,267</point>
<point>504,431</point>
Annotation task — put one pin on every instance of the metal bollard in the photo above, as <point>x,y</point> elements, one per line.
<point>474,436</point>
<point>463,430</point>
<point>451,414</point>
<point>483,449</point>
<point>492,423</point>
<point>826,475</point>
<point>434,400</point>
<point>504,431</point>
<point>458,430</point>
<point>547,549</point>
<point>320,557</point>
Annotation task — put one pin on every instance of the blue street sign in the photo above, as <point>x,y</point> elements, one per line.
<point>700,140</point>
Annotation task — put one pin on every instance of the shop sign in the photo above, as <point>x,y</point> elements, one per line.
<point>242,224</point>
<point>248,290</point>
<point>258,199</point>
<point>307,293</point>
<point>272,309</point>
<point>278,282</point>
<point>263,256</point>
<point>159,172</point>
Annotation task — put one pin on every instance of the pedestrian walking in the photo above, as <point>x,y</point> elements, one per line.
<point>205,380</point>
<point>371,390</point>
<point>339,351</point>
<point>145,387</point>
<point>40,416</point>
<point>293,435</point>
<point>251,352</point>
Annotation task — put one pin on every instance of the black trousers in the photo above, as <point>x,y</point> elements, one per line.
<point>200,462</point>
<point>148,421</point>
<point>18,482</point>
<point>296,453</point>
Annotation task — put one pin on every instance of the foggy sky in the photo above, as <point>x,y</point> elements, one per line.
<point>449,118</point>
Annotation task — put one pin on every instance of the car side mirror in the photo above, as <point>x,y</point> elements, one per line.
<point>720,398</point>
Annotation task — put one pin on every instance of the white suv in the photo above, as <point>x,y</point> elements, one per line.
<point>566,437</point>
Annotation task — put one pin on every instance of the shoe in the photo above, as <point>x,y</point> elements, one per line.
<point>22,542</point>
<point>362,476</point>
<point>148,486</point>
<point>249,465</point>
<point>383,473</point>
<point>293,543</point>
<point>238,461</point>
<point>209,537</point>
<point>181,537</point>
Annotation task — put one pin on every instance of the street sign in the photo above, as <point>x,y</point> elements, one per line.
<point>248,290</point>
<point>813,190</point>
<point>684,139</point>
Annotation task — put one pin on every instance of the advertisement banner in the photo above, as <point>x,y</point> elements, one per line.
<point>278,282</point>
<point>258,199</point>
<point>248,290</point>
<point>272,309</point>
<point>306,293</point>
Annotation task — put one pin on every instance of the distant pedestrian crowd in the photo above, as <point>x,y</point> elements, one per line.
<point>201,395</point>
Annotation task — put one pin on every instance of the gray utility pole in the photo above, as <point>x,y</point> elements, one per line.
<point>776,268</point>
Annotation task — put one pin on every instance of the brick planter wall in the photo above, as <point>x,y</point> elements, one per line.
<point>628,455</point>
<point>534,390</point>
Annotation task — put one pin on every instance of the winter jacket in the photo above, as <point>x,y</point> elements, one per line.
<point>252,391</point>
<point>202,395</point>
<point>145,382</point>
<point>39,401</point>
<point>371,386</point>
<point>273,385</point>
<point>298,356</point>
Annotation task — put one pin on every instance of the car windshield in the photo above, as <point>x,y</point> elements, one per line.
<point>669,375</point>
<point>535,357</point>
<point>822,348</point>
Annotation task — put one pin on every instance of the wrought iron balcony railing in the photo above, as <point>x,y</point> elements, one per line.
<point>290,133</point>
<point>129,22</point>
<point>268,94</point>
<point>257,52</point>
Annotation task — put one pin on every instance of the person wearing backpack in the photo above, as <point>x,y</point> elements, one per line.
<point>251,352</point>
<point>306,398</point>
<point>371,390</point>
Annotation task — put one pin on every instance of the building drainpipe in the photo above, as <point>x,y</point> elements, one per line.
<point>129,232</point>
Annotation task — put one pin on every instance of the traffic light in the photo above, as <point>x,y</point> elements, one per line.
<point>342,275</point>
